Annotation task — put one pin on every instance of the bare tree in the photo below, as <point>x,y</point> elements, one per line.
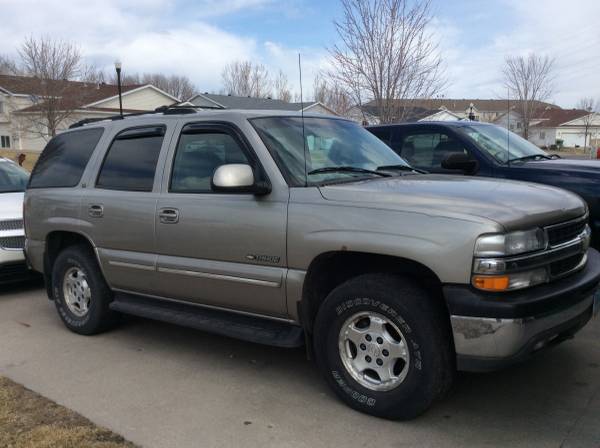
<point>592,106</point>
<point>529,82</point>
<point>179,86</point>
<point>331,95</point>
<point>386,54</point>
<point>54,63</point>
<point>281,87</point>
<point>8,66</point>
<point>244,78</point>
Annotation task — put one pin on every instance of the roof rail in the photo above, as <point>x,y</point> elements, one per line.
<point>165,110</point>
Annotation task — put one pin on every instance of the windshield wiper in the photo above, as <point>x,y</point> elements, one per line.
<point>400,168</point>
<point>347,169</point>
<point>533,157</point>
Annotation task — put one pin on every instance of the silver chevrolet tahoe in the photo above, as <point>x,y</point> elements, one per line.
<point>293,230</point>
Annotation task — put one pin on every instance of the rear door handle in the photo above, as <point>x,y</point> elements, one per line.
<point>168,215</point>
<point>96,211</point>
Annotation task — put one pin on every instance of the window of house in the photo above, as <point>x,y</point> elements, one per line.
<point>542,135</point>
<point>5,141</point>
<point>1,107</point>
<point>518,125</point>
<point>130,163</point>
<point>198,156</point>
<point>64,159</point>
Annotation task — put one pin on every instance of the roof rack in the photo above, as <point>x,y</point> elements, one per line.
<point>165,110</point>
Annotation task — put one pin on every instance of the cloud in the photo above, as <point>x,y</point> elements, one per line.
<point>564,31</point>
<point>154,36</point>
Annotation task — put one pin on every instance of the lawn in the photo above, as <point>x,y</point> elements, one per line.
<point>30,157</point>
<point>28,420</point>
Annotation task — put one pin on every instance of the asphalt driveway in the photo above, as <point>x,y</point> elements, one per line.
<point>163,386</point>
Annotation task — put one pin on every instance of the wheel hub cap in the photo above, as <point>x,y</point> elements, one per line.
<point>374,351</point>
<point>76,292</point>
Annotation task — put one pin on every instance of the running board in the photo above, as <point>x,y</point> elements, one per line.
<point>238,326</point>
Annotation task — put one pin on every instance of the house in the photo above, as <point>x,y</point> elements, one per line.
<point>486,110</point>
<point>214,101</point>
<point>23,122</point>
<point>568,125</point>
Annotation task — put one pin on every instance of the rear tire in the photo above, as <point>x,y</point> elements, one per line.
<point>384,346</point>
<point>80,292</point>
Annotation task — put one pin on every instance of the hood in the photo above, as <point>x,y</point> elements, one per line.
<point>514,205</point>
<point>11,206</point>
<point>564,165</point>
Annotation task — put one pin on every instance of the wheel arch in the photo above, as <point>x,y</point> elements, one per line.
<point>330,269</point>
<point>57,241</point>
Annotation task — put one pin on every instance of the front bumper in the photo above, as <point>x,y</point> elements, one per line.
<point>493,330</point>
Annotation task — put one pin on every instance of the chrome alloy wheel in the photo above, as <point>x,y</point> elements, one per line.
<point>374,351</point>
<point>77,292</point>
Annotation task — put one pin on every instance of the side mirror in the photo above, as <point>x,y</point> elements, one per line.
<point>460,161</point>
<point>237,178</point>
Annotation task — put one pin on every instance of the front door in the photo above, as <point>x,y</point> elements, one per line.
<point>426,148</point>
<point>220,249</point>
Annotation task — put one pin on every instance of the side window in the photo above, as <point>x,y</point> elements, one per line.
<point>64,159</point>
<point>428,150</point>
<point>198,155</point>
<point>130,163</point>
<point>382,134</point>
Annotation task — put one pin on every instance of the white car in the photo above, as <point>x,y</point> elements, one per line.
<point>13,180</point>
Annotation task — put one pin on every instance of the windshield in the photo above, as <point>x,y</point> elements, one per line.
<point>330,144</point>
<point>502,144</point>
<point>13,178</point>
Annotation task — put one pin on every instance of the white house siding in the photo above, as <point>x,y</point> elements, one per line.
<point>317,109</point>
<point>143,99</point>
<point>542,136</point>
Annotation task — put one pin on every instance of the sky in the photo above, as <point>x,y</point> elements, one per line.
<point>197,38</point>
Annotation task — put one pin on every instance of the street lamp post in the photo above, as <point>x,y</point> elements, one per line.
<point>471,114</point>
<point>118,70</point>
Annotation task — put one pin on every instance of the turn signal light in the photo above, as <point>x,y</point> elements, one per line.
<point>491,283</point>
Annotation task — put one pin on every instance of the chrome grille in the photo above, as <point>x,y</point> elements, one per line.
<point>11,224</point>
<point>12,242</point>
<point>565,232</point>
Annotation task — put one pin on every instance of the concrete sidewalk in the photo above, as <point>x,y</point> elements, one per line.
<point>163,386</point>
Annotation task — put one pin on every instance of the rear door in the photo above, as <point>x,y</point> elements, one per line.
<point>120,205</point>
<point>220,249</point>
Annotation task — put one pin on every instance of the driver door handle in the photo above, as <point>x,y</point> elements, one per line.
<point>168,215</point>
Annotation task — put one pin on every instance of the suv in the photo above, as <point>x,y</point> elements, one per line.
<point>13,180</point>
<point>296,230</point>
<point>473,148</point>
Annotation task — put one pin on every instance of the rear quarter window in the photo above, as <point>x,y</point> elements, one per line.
<point>64,159</point>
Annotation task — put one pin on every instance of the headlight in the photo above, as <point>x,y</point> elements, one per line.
<point>513,243</point>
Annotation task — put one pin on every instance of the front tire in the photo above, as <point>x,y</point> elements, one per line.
<point>80,293</point>
<point>384,346</point>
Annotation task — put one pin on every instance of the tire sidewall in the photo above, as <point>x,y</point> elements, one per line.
<point>71,258</point>
<point>415,392</point>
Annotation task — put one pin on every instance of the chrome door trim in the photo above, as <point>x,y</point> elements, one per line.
<point>231,278</point>
<point>122,264</point>
<point>212,307</point>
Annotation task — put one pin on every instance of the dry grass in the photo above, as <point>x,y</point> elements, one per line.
<point>28,420</point>
<point>12,154</point>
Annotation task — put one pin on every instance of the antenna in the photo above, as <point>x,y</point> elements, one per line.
<point>302,115</point>
<point>508,127</point>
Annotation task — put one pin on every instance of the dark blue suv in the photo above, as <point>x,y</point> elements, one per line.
<point>480,149</point>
